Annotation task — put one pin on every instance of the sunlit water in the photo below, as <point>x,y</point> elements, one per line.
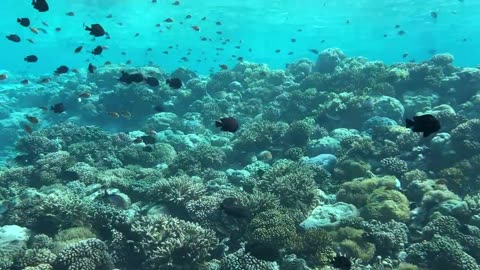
<point>262,26</point>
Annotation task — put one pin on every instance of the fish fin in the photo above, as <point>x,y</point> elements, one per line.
<point>218,124</point>
<point>409,123</point>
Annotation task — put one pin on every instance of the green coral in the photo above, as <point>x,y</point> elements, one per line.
<point>356,192</point>
<point>135,155</point>
<point>465,138</point>
<point>70,236</point>
<point>386,204</point>
<point>349,169</point>
<point>351,242</point>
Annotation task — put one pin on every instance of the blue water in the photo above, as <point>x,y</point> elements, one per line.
<point>263,26</point>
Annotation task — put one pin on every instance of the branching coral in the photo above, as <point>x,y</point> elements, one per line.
<point>294,183</point>
<point>259,135</point>
<point>177,190</point>
<point>200,158</point>
<point>90,254</point>
<point>170,243</point>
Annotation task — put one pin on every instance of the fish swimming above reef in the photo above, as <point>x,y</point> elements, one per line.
<point>31,59</point>
<point>262,251</point>
<point>58,108</point>
<point>13,37</point>
<point>61,70</point>
<point>228,124</point>
<point>232,207</point>
<point>98,50</point>
<point>40,5</point>
<point>174,83</point>
<point>130,78</point>
<point>25,22</point>
<point>96,30</point>
<point>152,81</point>
<point>426,123</point>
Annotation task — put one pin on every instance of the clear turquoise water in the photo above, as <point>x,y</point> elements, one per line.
<point>263,26</point>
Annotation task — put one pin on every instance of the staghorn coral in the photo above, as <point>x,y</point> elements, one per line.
<point>34,258</point>
<point>164,242</point>
<point>90,254</point>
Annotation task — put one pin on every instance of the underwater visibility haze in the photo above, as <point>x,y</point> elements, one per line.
<point>225,135</point>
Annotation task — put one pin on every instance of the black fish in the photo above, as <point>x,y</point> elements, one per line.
<point>98,50</point>
<point>147,139</point>
<point>24,22</point>
<point>61,70</point>
<point>31,58</point>
<point>57,108</point>
<point>159,108</point>
<point>341,262</point>
<point>91,68</point>
<point>174,83</point>
<point>78,49</point>
<point>13,37</point>
<point>434,14</point>
<point>148,148</point>
<point>152,81</point>
<point>40,5</point>
<point>96,30</point>
<point>131,78</point>
<point>262,251</point>
<point>232,207</point>
<point>229,124</point>
<point>426,123</point>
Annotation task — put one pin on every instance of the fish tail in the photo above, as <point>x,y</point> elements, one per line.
<point>409,123</point>
<point>218,124</point>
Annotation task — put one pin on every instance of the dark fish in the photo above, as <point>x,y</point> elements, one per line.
<point>262,251</point>
<point>229,124</point>
<point>25,22</point>
<point>148,148</point>
<point>152,81</point>
<point>31,58</point>
<point>78,49</point>
<point>314,51</point>
<point>40,5</point>
<point>13,37</point>
<point>341,262</point>
<point>57,108</point>
<point>159,108</point>
<point>404,55</point>
<point>434,14</point>
<point>401,33</point>
<point>96,30</point>
<point>70,13</point>
<point>293,40</point>
<point>131,78</point>
<point>61,70</point>
<point>232,207</point>
<point>32,119</point>
<point>147,139</point>
<point>98,50</point>
<point>426,123</point>
<point>174,83</point>
<point>91,68</point>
